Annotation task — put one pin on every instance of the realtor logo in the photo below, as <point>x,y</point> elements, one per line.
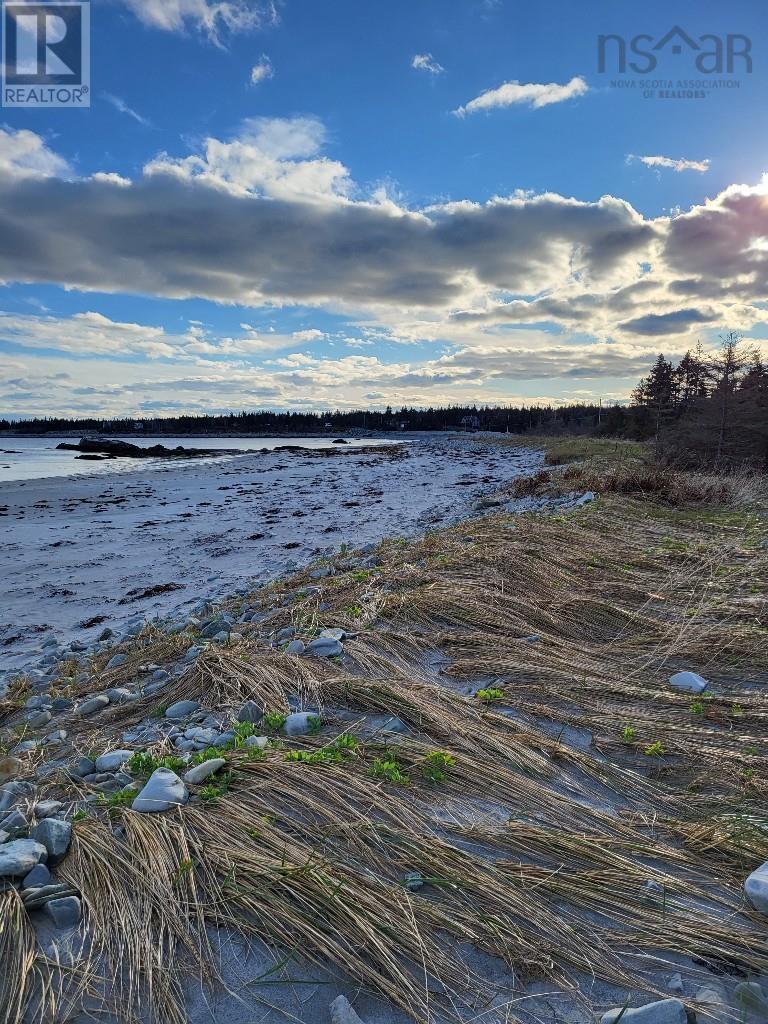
<point>46,54</point>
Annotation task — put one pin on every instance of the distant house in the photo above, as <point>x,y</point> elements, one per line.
<point>402,424</point>
<point>471,422</point>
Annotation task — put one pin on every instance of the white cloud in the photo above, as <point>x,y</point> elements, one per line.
<point>123,107</point>
<point>426,62</point>
<point>275,157</point>
<point>262,70</point>
<point>668,162</point>
<point>212,17</point>
<point>24,153</point>
<point>533,94</point>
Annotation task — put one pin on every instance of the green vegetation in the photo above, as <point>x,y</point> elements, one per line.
<point>389,770</point>
<point>490,695</point>
<point>274,720</point>
<point>143,763</point>
<point>628,733</point>
<point>654,749</point>
<point>436,764</point>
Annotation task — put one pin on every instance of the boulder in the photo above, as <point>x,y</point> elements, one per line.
<point>55,835</point>
<point>18,857</point>
<point>39,875</point>
<point>300,723</point>
<point>65,913</point>
<point>688,682</point>
<point>12,793</point>
<point>250,712</point>
<point>92,705</point>
<point>200,772</point>
<point>163,790</point>
<point>181,709</point>
<point>113,760</point>
<point>324,647</point>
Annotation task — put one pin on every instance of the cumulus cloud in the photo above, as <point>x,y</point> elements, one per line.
<point>273,157</point>
<point>24,153</point>
<point>670,163</point>
<point>426,62</point>
<point>212,17</point>
<point>532,94</point>
<point>262,70</point>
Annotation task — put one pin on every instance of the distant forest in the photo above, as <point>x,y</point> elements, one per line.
<point>710,409</point>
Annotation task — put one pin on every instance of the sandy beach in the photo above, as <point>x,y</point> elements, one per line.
<point>114,549</point>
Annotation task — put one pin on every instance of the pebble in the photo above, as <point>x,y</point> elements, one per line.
<point>111,761</point>
<point>39,719</point>
<point>200,772</point>
<point>295,647</point>
<point>675,984</point>
<point>299,723</point>
<point>18,857</point>
<point>163,790</point>
<point>83,766</point>
<point>756,888</point>
<point>89,707</point>
<point>14,820</point>
<point>116,661</point>
<point>334,633</point>
<point>324,647</point>
<point>12,792</point>
<point>688,682</point>
<point>262,742</point>
<point>664,1011</point>
<point>250,712</point>
<point>65,913</point>
<point>119,695</point>
<point>47,807</point>
<point>55,835</point>
<point>182,709</point>
<point>286,633</point>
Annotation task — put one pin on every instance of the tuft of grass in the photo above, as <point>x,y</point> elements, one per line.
<point>142,763</point>
<point>274,720</point>
<point>388,769</point>
<point>436,764</point>
<point>628,733</point>
<point>490,695</point>
<point>654,749</point>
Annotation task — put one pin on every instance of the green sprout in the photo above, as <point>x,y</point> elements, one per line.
<point>275,720</point>
<point>436,764</point>
<point>628,733</point>
<point>491,695</point>
<point>388,769</point>
<point>654,749</point>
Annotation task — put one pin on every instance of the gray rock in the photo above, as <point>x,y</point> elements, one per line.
<point>343,1013</point>
<point>15,820</point>
<point>55,835</point>
<point>37,702</point>
<point>105,634</point>
<point>752,997</point>
<point>65,913</point>
<point>223,739</point>
<point>182,709</point>
<point>62,704</point>
<point>262,742</point>
<point>94,704</point>
<point>688,682</point>
<point>46,808</point>
<point>12,793</point>
<point>83,766</point>
<point>295,647</point>
<point>119,695</point>
<point>39,875</point>
<point>39,719</point>
<point>334,633</point>
<point>200,772</point>
<point>285,634</point>
<point>117,661</point>
<point>299,723</point>
<point>250,712</point>
<point>664,1011</point>
<point>18,857</point>
<point>756,888</point>
<point>213,628</point>
<point>675,984</point>
<point>324,647</point>
<point>111,761</point>
<point>163,790</point>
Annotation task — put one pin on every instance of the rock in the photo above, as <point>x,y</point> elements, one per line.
<point>83,766</point>
<point>105,634</point>
<point>46,808</point>
<point>119,695</point>
<point>18,857</point>
<point>163,790</point>
<point>262,742</point>
<point>286,633</point>
<point>94,704</point>
<point>14,821</point>
<point>55,835</point>
<point>324,647</point>
<point>213,628</point>
<point>111,761</point>
<point>182,709</point>
<point>201,772</point>
<point>342,1012</point>
<point>717,1006</point>
<point>223,739</point>
<point>250,712</point>
<point>750,996</point>
<point>334,633</point>
<point>664,1011</point>
<point>295,647</point>
<point>116,661</point>
<point>12,793</point>
<point>756,888</point>
<point>39,719</point>
<point>300,723</point>
<point>9,768</point>
<point>65,913</point>
<point>675,984</point>
<point>39,875</point>
<point>688,682</point>
<point>62,704</point>
<point>321,573</point>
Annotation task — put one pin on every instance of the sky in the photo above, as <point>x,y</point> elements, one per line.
<point>306,205</point>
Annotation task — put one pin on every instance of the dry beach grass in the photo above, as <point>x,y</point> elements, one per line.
<point>577,777</point>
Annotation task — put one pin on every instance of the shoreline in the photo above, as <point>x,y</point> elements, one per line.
<point>123,547</point>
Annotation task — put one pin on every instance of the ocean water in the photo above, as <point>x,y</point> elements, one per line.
<point>36,458</point>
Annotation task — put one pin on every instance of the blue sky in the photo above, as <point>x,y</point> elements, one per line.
<point>344,204</point>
